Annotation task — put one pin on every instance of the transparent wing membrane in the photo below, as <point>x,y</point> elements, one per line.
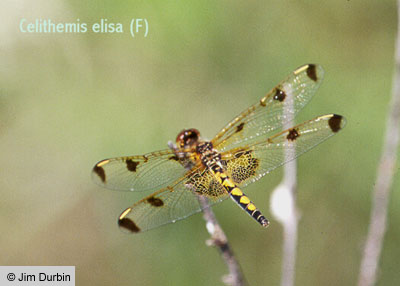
<point>271,112</point>
<point>172,203</point>
<point>138,173</point>
<point>250,163</point>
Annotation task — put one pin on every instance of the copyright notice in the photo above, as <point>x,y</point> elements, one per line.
<point>37,275</point>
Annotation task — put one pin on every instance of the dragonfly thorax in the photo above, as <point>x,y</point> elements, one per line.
<point>208,155</point>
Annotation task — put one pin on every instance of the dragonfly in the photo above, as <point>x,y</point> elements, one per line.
<point>246,149</point>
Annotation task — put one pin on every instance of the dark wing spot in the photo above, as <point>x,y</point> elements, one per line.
<point>155,202</point>
<point>335,122</point>
<point>279,95</point>
<point>239,127</point>
<point>175,158</point>
<point>128,224</point>
<point>131,165</point>
<point>292,135</point>
<point>312,72</point>
<point>100,172</point>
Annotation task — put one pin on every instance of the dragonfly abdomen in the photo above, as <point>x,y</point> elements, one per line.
<point>239,197</point>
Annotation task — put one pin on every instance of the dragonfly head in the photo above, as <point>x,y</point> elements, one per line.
<point>188,138</point>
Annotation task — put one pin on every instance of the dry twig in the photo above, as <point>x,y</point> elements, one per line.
<point>219,239</point>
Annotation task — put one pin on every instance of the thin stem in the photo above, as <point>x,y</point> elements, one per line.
<point>385,172</point>
<point>290,228</point>
<point>219,239</point>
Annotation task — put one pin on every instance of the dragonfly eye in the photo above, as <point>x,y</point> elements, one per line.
<point>188,138</point>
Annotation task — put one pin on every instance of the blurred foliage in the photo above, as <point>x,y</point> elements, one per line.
<point>69,100</point>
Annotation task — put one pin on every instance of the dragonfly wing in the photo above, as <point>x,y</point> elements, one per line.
<point>172,203</point>
<point>251,162</point>
<point>279,106</point>
<point>139,173</point>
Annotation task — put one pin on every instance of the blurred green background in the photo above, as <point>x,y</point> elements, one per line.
<point>69,100</point>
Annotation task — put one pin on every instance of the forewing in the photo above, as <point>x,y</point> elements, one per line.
<point>251,162</point>
<point>172,203</point>
<point>278,107</point>
<point>139,173</point>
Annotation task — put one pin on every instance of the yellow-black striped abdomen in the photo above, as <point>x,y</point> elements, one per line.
<point>240,198</point>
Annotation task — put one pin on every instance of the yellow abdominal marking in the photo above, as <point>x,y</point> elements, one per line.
<point>251,207</point>
<point>228,183</point>
<point>237,192</point>
<point>244,200</point>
